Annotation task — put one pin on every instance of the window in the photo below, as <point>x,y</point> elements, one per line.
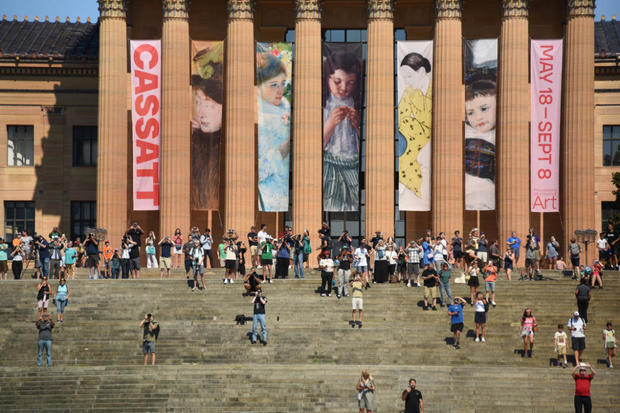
<point>83,215</point>
<point>84,146</point>
<point>611,143</point>
<point>610,212</point>
<point>20,145</point>
<point>18,216</point>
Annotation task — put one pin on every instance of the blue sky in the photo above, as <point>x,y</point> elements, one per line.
<point>86,8</point>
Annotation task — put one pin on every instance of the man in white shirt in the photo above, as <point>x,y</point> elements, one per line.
<point>577,328</point>
<point>602,245</point>
<point>262,238</point>
<point>361,257</point>
<point>206,241</point>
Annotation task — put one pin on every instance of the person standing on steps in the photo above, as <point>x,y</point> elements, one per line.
<point>206,242</point>
<point>610,343</point>
<point>149,336</point>
<point>43,294</point>
<point>514,243</point>
<point>357,300</point>
<point>413,398</point>
<point>45,326</point>
<point>582,400</point>
<point>344,271</point>
<point>430,277</point>
<point>577,327</point>
<point>455,311</point>
<point>165,256</point>
<point>4,259</point>
<point>259,301</point>
<point>583,294</point>
<point>480,317</point>
<point>197,255</point>
<point>326,264</point>
<point>366,392</point>
<point>559,343</point>
<point>574,250</point>
<point>529,326</point>
<point>62,299</point>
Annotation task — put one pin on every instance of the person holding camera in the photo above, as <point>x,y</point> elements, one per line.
<point>366,392</point>
<point>530,256</point>
<point>43,295</point>
<point>251,283</point>
<point>283,256</point>
<point>253,244</point>
<point>344,270</point>
<point>45,326</point>
<point>197,256</point>
<point>206,241</point>
<point>230,261</point>
<point>44,255</point>
<point>413,398</point>
<point>149,336</point>
<point>165,256</point>
<point>92,252</point>
<point>61,298</point>
<point>259,302</point>
<point>298,256</point>
<point>266,257</point>
<point>17,265</point>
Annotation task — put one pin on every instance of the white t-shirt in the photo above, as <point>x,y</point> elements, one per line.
<point>578,325</point>
<point>230,254</point>
<point>391,256</point>
<point>262,237</point>
<point>602,243</point>
<point>125,253</point>
<point>438,252</point>
<point>480,307</point>
<point>327,264</point>
<point>560,338</point>
<point>360,256</point>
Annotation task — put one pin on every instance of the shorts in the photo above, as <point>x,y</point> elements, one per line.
<point>37,263</point>
<point>530,262</point>
<point>430,292</point>
<point>610,344</point>
<point>254,250</point>
<point>575,261</point>
<point>456,327</point>
<point>177,251</point>
<point>537,254</point>
<point>92,260</point>
<point>366,401</point>
<point>362,268</point>
<point>69,267</point>
<point>457,254</point>
<point>188,265</point>
<point>230,264</point>
<point>4,266</point>
<point>508,265</point>
<point>134,264</point>
<point>579,343</point>
<point>480,317</point>
<point>165,262</point>
<point>241,269</point>
<point>148,347</point>
<point>357,303</point>
<point>266,261</point>
<point>561,349</point>
<point>473,282</point>
<point>517,252</point>
<point>43,303</point>
<point>413,268</point>
<point>489,286</point>
<point>222,263</point>
<point>306,257</point>
<point>198,269</point>
<point>483,256</point>
<point>106,264</point>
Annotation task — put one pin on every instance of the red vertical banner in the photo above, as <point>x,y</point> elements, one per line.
<point>546,101</point>
<point>146,121</point>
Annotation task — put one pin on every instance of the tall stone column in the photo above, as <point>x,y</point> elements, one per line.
<point>240,176</point>
<point>448,111</point>
<point>513,115</point>
<point>578,115</point>
<point>176,112</point>
<point>112,122</point>
<point>380,118</point>
<point>307,133</point>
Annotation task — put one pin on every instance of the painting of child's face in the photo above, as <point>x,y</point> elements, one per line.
<point>480,113</point>
<point>272,90</point>
<point>208,112</point>
<point>416,79</point>
<point>341,83</point>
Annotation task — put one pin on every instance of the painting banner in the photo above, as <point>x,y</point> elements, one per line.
<point>145,122</point>
<point>342,108</point>
<point>415,105</point>
<point>274,65</point>
<point>480,114</point>
<point>546,100</point>
<point>205,142</point>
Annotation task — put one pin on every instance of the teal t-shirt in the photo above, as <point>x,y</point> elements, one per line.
<point>221,247</point>
<point>70,255</point>
<point>4,252</point>
<point>444,276</point>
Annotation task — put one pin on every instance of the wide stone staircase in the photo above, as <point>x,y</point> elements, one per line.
<point>205,361</point>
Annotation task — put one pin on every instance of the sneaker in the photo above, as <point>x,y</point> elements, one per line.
<point>259,267</point>
<point>352,323</point>
<point>225,280</point>
<point>193,289</point>
<point>231,281</point>
<point>565,365</point>
<point>346,294</point>
<point>253,341</point>
<point>482,339</point>
<point>329,295</point>
<point>270,281</point>
<point>264,342</point>
<point>493,303</point>
<point>425,308</point>
<point>417,284</point>
<point>477,340</point>
<point>338,295</point>
<point>529,354</point>
<point>323,294</point>
<point>359,324</point>
<point>611,366</point>
<point>408,284</point>
<point>456,346</point>
<point>434,308</point>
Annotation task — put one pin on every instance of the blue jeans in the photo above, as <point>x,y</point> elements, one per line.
<point>60,305</point>
<point>445,286</point>
<point>259,318</point>
<point>47,344</point>
<point>45,266</point>
<point>299,265</point>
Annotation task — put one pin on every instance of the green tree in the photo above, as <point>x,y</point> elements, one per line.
<point>615,179</point>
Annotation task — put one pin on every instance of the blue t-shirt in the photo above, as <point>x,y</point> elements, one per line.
<point>44,252</point>
<point>91,248</point>
<point>456,308</point>
<point>284,252</point>
<point>165,249</point>
<point>70,255</point>
<point>517,243</point>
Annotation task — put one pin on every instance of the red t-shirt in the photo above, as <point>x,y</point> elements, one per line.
<point>582,385</point>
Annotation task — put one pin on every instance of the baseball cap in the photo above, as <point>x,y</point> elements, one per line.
<point>576,313</point>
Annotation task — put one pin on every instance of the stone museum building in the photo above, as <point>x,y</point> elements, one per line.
<point>66,118</point>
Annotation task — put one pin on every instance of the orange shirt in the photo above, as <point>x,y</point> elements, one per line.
<point>17,241</point>
<point>108,252</point>
<point>492,271</point>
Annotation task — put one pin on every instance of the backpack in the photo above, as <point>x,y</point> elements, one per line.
<point>574,249</point>
<point>156,331</point>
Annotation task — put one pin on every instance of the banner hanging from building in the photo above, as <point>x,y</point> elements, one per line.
<point>274,65</point>
<point>415,113</point>
<point>342,108</point>
<point>546,100</point>
<point>145,122</point>
<point>207,98</point>
<point>480,119</point>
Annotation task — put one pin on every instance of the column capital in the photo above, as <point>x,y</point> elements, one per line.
<point>380,9</point>
<point>308,9</point>
<point>112,8</point>
<point>240,9</point>
<point>515,8</point>
<point>175,9</point>
<point>581,8</point>
<point>448,9</point>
